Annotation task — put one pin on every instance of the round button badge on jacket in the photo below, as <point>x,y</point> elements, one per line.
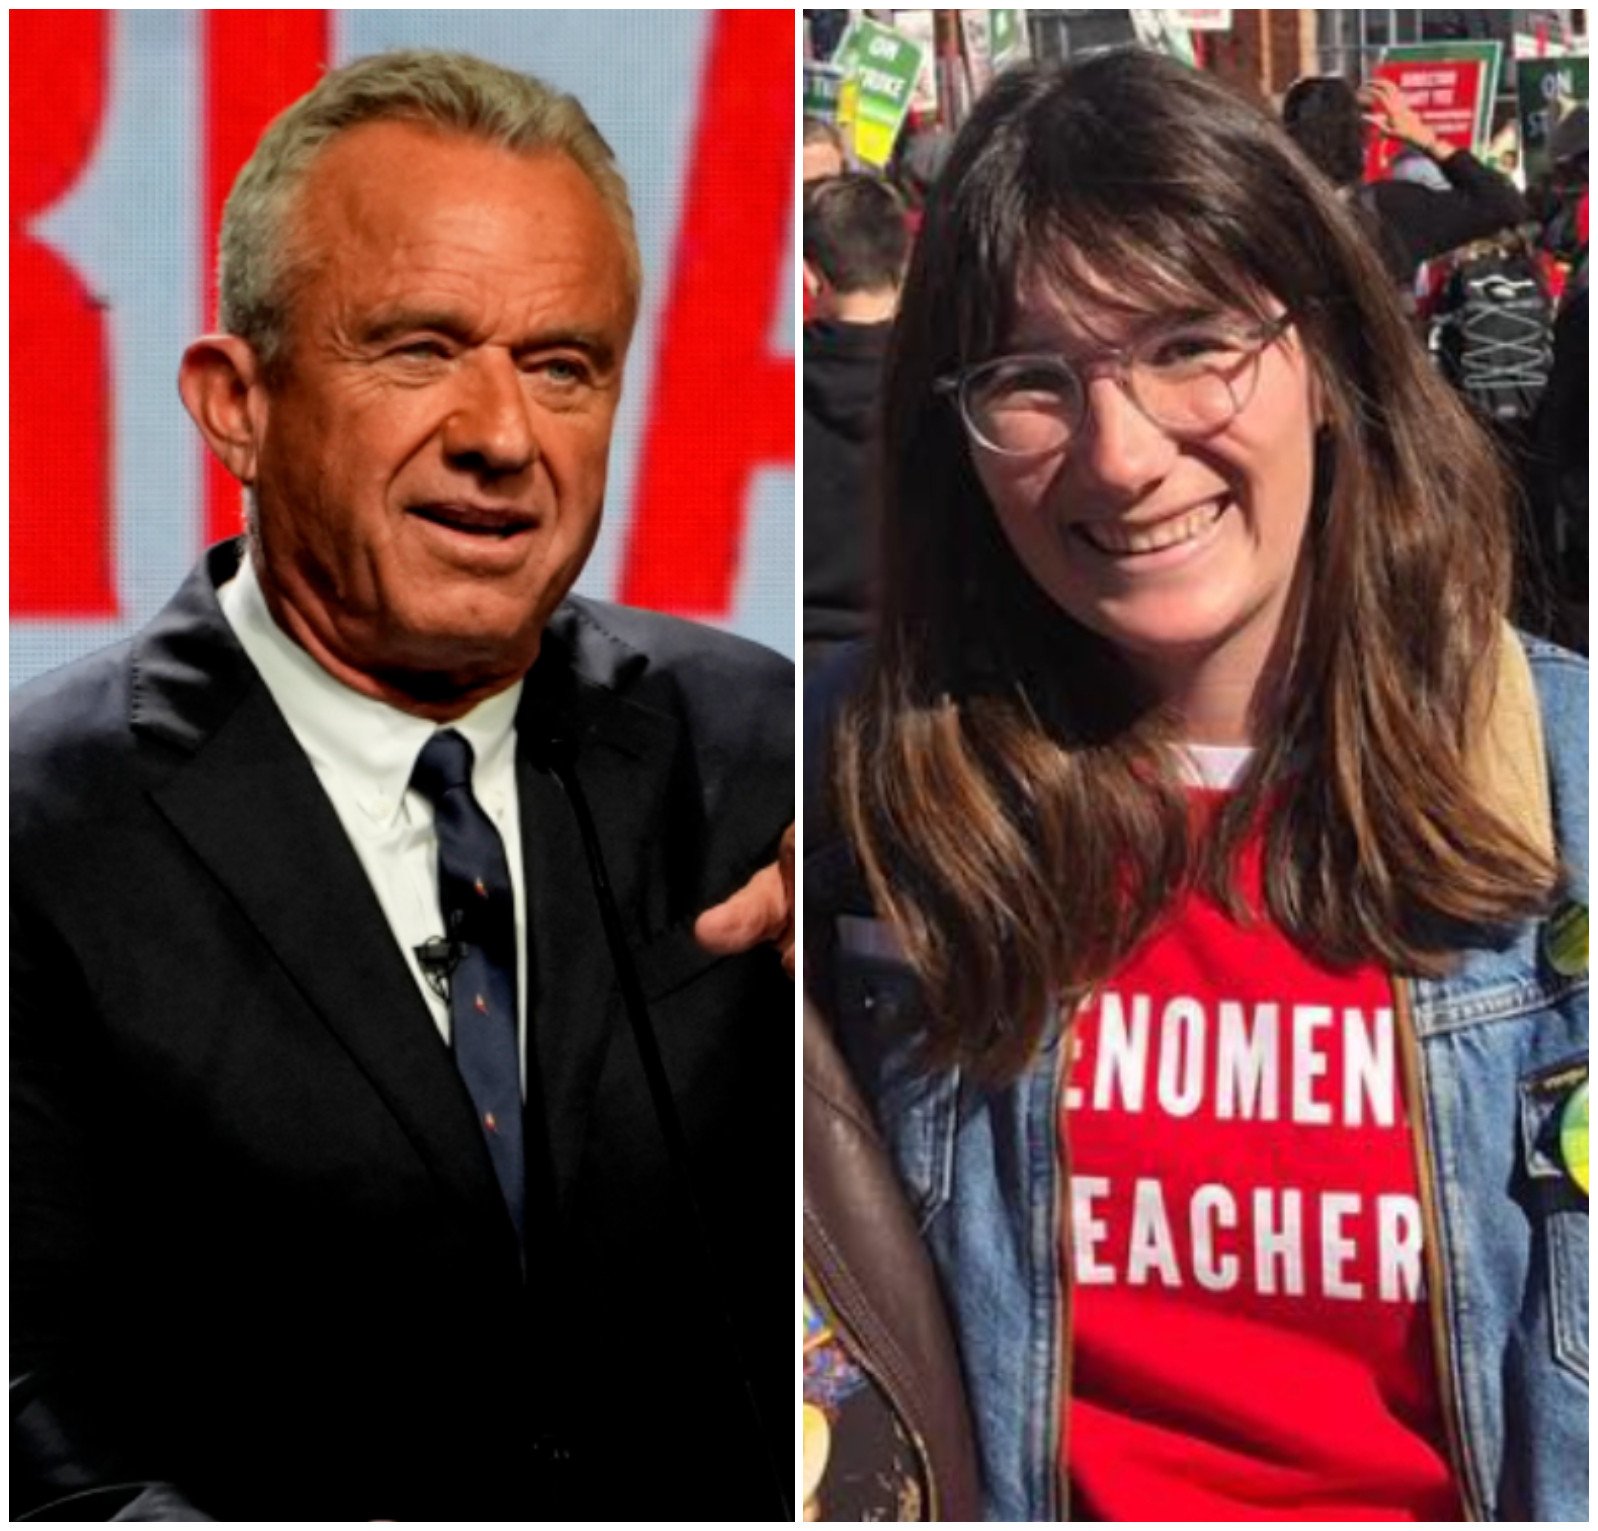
<point>1573,1136</point>
<point>1565,940</point>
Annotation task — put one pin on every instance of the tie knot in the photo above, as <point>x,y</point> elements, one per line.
<point>444,763</point>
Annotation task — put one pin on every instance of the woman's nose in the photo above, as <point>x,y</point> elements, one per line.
<point>1118,448</point>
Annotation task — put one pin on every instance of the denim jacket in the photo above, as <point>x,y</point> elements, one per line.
<point>1493,1052</point>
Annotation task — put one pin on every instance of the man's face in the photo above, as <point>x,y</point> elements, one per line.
<point>432,453</point>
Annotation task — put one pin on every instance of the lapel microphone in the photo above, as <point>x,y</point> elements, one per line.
<point>438,957</point>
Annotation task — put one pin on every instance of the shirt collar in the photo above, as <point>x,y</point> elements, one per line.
<point>368,746</point>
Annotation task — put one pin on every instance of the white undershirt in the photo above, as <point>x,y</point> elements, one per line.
<point>1215,766</point>
<point>363,752</point>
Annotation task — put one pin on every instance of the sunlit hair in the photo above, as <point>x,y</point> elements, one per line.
<point>817,130</point>
<point>1008,787</point>
<point>452,92</point>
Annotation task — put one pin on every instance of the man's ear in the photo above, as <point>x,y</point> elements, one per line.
<point>814,281</point>
<point>220,382</point>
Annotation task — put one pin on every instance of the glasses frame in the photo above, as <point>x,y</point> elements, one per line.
<point>1117,363</point>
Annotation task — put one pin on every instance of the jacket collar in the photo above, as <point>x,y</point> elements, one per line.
<point>620,753</point>
<point>245,798</point>
<point>1506,972</point>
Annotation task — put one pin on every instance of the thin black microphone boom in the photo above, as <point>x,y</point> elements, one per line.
<point>559,755</point>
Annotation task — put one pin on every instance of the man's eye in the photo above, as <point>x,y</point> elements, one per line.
<point>423,350</point>
<point>564,372</point>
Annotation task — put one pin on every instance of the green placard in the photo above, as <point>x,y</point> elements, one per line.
<point>821,91</point>
<point>882,66</point>
<point>1545,88</point>
<point>1490,55</point>
<point>1161,32</point>
<point>1004,36</point>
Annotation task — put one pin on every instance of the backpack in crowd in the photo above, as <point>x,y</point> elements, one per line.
<point>1493,332</point>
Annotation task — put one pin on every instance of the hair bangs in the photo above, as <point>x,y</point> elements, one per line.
<point>1162,266</point>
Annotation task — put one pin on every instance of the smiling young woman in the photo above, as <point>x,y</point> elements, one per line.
<point>1334,615</point>
<point>1178,849</point>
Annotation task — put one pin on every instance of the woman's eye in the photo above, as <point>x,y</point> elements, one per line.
<point>1190,346</point>
<point>1026,381</point>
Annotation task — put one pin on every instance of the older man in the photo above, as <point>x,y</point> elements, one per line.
<point>342,1186</point>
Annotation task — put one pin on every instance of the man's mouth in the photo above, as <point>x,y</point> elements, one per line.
<point>487,521</point>
<point>1121,539</point>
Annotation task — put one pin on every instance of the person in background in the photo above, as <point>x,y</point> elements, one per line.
<point>823,150</point>
<point>855,243</point>
<point>1484,314</point>
<point>1565,231</point>
<point>918,161</point>
<point>824,155</point>
<point>1559,493</point>
<point>1412,221</point>
<point>1559,484</point>
<point>1195,861</point>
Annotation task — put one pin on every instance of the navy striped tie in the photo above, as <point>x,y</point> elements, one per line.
<point>479,907</point>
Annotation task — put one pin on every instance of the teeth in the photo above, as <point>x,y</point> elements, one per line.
<point>1114,537</point>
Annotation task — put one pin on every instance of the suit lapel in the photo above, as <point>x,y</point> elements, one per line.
<point>621,754</point>
<point>250,807</point>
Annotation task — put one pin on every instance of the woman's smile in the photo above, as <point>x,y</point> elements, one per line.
<point>1134,543</point>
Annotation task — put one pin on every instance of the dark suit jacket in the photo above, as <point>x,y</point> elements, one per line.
<point>257,1248</point>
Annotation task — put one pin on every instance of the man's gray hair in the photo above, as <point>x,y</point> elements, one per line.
<point>451,91</point>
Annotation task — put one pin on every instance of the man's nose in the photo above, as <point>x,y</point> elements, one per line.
<point>1118,448</point>
<point>490,425</point>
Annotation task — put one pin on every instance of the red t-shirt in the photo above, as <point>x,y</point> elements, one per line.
<point>1250,1329</point>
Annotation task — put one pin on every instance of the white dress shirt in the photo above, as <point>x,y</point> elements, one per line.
<point>363,752</point>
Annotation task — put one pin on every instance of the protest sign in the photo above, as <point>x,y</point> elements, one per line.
<point>976,35</point>
<point>1007,37</point>
<point>880,66</point>
<point>1545,89</point>
<point>821,90</point>
<point>1451,87</point>
<point>920,27</point>
<point>1161,31</point>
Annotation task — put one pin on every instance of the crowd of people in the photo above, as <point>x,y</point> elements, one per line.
<point>1494,279</point>
<point>1195,822</point>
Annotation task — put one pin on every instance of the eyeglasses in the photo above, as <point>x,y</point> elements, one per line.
<point>1190,379</point>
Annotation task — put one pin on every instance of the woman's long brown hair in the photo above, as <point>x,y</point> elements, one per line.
<point>1007,786</point>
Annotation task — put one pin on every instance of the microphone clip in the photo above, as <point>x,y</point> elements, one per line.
<point>438,957</point>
